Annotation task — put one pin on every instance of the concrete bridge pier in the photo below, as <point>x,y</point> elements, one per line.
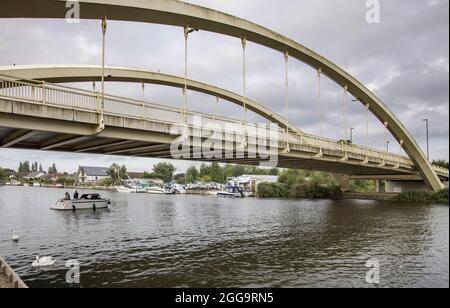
<point>395,186</point>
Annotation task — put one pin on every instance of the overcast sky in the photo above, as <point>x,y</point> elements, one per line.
<point>404,59</point>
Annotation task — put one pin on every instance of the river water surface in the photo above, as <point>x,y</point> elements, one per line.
<point>193,241</point>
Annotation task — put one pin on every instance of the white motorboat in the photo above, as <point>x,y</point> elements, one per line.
<point>130,189</point>
<point>231,192</point>
<point>156,190</point>
<point>177,189</point>
<point>86,202</point>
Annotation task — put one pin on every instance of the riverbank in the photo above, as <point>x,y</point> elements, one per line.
<point>8,278</point>
<point>441,197</point>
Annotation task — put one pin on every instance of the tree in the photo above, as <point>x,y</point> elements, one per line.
<point>205,170</point>
<point>20,170</point>
<point>3,174</point>
<point>180,178</point>
<point>117,173</point>
<point>40,168</point>
<point>52,169</point>
<point>292,177</point>
<point>164,171</point>
<point>274,171</point>
<point>150,176</point>
<point>26,166</point>
<point>216,173</point>
<point>192,175</point>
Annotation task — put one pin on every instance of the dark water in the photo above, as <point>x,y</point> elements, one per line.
<point>189,241</point>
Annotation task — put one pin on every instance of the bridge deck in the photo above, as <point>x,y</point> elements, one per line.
<point>42,116</point>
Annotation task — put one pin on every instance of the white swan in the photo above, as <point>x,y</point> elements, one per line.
<point>15,238</point>
<point>44,261</point>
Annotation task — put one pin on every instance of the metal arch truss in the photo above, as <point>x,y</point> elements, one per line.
<point>89,73</point>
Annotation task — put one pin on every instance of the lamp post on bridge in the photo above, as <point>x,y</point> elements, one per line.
<point>428,138</point>
<point>351,134</point>
<point>387,145</point>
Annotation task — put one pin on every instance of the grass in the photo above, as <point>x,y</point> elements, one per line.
<point>440,197</point>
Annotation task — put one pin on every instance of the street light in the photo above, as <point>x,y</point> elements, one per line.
<point>351,134</point>
<point>428,138</point>
<point>387,145</point>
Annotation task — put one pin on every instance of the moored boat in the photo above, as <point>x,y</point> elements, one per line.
<point>156,190</point>
<point>86,202</point>
<point>231,192</point>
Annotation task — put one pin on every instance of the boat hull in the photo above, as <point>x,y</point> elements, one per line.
<point>229,195</point>
<point>74,205</point>
<point>156,192</point>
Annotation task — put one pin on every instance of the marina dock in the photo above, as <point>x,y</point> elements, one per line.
<point>8,278</point>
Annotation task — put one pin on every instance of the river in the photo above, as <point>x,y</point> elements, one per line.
<point>195,241</point>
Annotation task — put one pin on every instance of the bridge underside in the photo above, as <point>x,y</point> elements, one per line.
<point>61,142</point>
<point>134,137</point>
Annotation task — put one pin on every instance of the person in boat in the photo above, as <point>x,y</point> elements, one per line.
<point>67,196</point>
<point>76,195</point>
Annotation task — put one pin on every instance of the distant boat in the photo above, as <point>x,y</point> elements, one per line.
<point>86,202</point>
<point>177,189</point>
<point>231,192</point>
<point>130,189</point>
<point>156,190</point>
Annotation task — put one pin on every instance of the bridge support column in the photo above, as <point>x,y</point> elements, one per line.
<point>378,186</point>
<point>406,186</point>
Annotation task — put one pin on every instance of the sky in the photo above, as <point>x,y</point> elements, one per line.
<point>404,60</point>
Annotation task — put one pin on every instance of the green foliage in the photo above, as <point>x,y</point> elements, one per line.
<point>117,173</point>
<point>272,190</point>
<point>52,169</point>
<point>216,173</point>
<point>3,174</point>
<point>150,176</point>
<point>292,177</point>
<point>301,184</point>
<point>66,181</point>
<point>363,186</point>
<point>441,163</point>
<point>24,167</point>
<point>180,178</point>
<point>106,182</point>
<point>206,179</point>
<point>440,197</point>
<point>299,191</point>
<point>192,175</point>
<point>164,171</point>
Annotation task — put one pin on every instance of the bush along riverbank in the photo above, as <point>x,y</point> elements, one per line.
<point>440,197</point>
<point>299,191</point>
<point>301,184</point>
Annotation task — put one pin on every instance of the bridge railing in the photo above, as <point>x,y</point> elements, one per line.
<point>59,95</point>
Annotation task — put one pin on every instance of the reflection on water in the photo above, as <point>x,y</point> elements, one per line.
<point>190,241</point>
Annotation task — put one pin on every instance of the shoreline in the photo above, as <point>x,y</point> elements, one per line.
<point>366,196</point>
<point>8,278</point>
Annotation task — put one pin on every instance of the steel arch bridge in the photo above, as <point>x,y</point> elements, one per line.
<point>188,16</point>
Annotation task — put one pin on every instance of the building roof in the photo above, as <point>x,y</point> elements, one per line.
<point>94,171</point>
<point>135,175</point>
